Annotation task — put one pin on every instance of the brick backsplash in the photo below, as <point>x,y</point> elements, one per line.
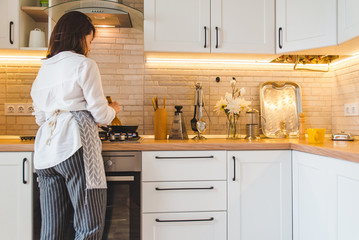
<point>132,82</point>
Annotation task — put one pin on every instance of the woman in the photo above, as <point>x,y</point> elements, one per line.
<point>69,103</point>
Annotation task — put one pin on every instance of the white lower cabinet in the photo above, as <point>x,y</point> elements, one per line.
<point>325,198</point>
<point>184,195</point>
<point>343,200</point>
<point>184,226</point>
<point>310,197</point>
<point>259,195</point>
<point>16,196</point>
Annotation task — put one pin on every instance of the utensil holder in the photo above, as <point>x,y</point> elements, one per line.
<point>160,124</point>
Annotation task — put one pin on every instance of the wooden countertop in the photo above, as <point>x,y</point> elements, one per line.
<point>337,149</point>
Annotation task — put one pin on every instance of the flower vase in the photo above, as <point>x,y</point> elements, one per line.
<point>233,128</point>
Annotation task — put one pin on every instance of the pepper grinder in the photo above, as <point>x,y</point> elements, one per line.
<point>178,130</point>
<point>302,126</point>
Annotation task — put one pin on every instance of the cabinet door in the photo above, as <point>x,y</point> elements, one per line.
<point>305,24</point>
<point>184,196</point>
<point>177,25</point>
<point>348,19</point>
<point>184,226</point>
<point>259,195</point>
<point>310,211</point>
<point>343,199</point>
<point>183,165</point>
<point>15,201</point>
<point>241,26</point>
<point>9,23</point>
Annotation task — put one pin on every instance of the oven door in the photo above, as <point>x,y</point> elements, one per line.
<point>122,211</point>
<point>123,206</point>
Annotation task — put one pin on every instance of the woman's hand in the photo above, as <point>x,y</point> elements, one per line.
<point>115,106</point>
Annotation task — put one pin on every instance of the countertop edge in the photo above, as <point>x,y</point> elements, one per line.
<point>329,149</point>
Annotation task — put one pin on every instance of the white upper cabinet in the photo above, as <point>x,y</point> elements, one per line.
<point>9,24</point>
<point>177,25</point>
<point>242,26</point>
<point>204,26</point>
<point>17,19</point>
<point>348,20</point>
<point>305,24</point>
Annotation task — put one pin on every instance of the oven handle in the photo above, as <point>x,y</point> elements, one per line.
<point>120,178</point>
<point>158,157</point>
<point>186,220</point>
<point>171,189</point>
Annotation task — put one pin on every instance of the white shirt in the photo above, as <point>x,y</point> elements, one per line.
<point>66,82</point>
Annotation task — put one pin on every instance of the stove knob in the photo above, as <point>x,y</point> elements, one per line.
<point>109,163</point>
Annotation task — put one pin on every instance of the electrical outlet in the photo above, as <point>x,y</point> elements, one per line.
<point>9,109</point>
<point>351,109</point>
<point>19,109</point>
<point>29,108</point>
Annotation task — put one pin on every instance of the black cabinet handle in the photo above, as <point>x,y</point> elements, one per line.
<point>280,37</point>
<point>216,37</point>
<point>158,157</point>
<point>186,220</point>
<point>23,171</point>
<point>234,168</point>
<point>10,32</point>
<point>174,189</point>
<point>205,36</point>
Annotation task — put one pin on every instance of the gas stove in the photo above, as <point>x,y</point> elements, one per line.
<point>127,137</point>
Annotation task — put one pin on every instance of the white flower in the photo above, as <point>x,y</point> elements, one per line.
<point>220,105</point>
<point>232,103</point>
<point>242,91</point>
<point>228,96</point>
<point>233,82</point>
<point>233,106</point>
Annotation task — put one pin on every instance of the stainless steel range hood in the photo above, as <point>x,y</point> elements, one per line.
<point>104,13</point>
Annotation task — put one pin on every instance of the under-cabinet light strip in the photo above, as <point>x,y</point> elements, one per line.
<point>225,61</point>
<point>21,58</point>
<point>355,56</point>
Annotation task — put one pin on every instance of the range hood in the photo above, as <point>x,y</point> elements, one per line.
<point>103,13</point>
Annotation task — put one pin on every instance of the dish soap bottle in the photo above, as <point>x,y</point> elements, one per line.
<point>178,130</point>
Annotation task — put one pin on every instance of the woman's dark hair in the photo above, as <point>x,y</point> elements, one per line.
<point>69,34</point>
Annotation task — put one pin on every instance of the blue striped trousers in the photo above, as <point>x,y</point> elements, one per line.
<point>64,197</point>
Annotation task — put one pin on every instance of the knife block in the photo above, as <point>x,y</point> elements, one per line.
<point>160,124</point>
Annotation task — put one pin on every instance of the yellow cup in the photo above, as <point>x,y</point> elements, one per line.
<point>316,135</point>
<point>161,124</point>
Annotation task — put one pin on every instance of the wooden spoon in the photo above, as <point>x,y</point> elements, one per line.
<point>116,121</point>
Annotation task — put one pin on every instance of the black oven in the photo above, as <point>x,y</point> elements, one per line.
<point>123,173</point>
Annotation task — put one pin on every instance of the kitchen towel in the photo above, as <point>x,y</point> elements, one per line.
<point>92,149</point>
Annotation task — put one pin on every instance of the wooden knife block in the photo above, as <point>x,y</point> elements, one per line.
<point>160,124</point>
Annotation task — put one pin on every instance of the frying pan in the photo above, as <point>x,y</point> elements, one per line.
<point>118,129</point>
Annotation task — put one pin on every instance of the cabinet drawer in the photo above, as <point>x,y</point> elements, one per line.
<point>184,196</point>
<point>183,165</point>
<point>180,226</point>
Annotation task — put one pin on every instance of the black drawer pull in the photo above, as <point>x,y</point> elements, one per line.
<point>234,168</point>
<point>158,157</point>
<point>23,171</point>
<point>11,40</point>
<point>186,220</point>
<point>174,189</point>
<point>280,38</point>
<point>205,36</point>
<point>216,37</point>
